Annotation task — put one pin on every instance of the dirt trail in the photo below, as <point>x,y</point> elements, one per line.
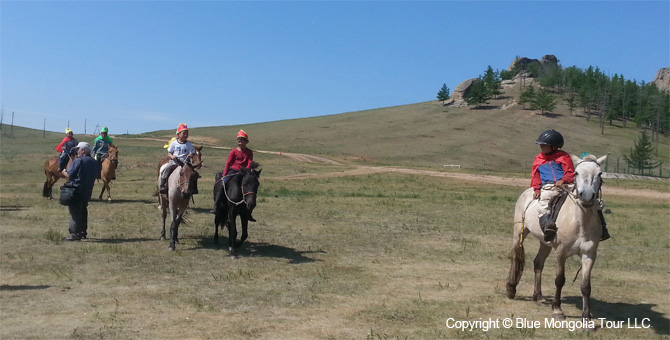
<point>498,180</point>
<point>367,170</point>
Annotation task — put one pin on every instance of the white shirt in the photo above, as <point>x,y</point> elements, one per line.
<point>181,150</point>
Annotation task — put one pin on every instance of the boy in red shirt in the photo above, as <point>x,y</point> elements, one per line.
<point>552,169</point>
<point>238,158</point>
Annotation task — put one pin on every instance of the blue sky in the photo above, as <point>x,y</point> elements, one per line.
<point>139,66</point>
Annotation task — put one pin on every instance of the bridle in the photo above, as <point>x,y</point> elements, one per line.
<point>244,194</point>
<point>573,194</point>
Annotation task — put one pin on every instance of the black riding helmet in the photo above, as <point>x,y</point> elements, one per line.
<point>550,137</point>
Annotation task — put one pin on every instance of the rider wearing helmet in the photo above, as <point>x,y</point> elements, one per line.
<point>552,169</point>
<point>101,145</point>
<point>65,148</point>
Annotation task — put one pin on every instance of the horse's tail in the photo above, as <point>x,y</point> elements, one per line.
<point>518,260</point>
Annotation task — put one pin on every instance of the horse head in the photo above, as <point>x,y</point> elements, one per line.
<point>188,179</point>
<point>196,159</point>
<point>113,155</point>
<point>250,185</point>
<point>588,178</point>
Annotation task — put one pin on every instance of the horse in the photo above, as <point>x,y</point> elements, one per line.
<point>181,184</point>
<point>51,171</point>
<point>240,190</point>
<point>579,232</point>
<point>108,172</point>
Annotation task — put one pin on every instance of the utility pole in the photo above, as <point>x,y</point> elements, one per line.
<point>84,125</point>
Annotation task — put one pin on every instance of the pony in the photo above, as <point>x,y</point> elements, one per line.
<point>240,190</point>
<point>181,185</point>
<point>579,232</point>
<point>108,172</point>
<point>51,171</point>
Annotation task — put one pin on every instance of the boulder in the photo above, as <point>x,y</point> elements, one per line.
<point>662,80</point>
<point>462,89</point>
<point>547,62</point>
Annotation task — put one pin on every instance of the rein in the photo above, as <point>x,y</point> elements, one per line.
<point>244,194</point>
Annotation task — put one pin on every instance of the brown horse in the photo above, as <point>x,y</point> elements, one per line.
<point>51,171</point>
<point>108,172</point>
<point>579,233</point>
<point>181,184</point>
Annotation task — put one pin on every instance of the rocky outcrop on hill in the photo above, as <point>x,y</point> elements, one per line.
<point>462,89</point>
<point>547,62</point>
<point>662,80</point>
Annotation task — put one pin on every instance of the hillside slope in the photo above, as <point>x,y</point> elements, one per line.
<point>430,135</point>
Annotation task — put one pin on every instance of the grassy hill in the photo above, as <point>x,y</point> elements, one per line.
<point>425,135</point>
<point>429,135</point>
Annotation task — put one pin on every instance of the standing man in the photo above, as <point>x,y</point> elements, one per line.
<point>83,171</point>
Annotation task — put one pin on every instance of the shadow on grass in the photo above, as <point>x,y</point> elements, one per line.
<point>625,312</point>
<point>120,240</point>
<point>251,249</point>
<point>117,201</point>
<point>13,207</point>
<point>11,287</point>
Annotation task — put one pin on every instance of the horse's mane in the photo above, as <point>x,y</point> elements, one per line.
<point>254,165</point>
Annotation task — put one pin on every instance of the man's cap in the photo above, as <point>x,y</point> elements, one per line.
<point>105,129</point>
<point>83,145</point>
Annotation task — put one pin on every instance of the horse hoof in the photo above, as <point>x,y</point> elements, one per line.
<point>162,238</point>
<point>558,316</point>
<point>234,257</point>
<point>171,248</point>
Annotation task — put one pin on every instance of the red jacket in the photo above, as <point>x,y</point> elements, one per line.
<point>238,159</point>
<point>59,147</point>
<point>559,157</point>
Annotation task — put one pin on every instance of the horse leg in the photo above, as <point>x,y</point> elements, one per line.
<point>217,223</point>
<point>244,235</point>
<point>109,192</point>
<point>104,184</point>
<point>164,215</point>
<point>518,261</point>
<point>556,310</point>
<point>538,266</point>
<point>587,264</point>
<point>174,230</point>
<point>232,234</point>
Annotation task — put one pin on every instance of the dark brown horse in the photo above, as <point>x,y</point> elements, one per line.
<point>181,185</point>
<point>51,171</point>
<point>240,190</point>
<point>108,172</point>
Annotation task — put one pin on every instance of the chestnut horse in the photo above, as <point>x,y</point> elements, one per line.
<point>51,171</point>
<point>579,232</point>
<point>108,172</point>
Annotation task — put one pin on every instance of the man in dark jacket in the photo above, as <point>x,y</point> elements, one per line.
<point>83,171</point>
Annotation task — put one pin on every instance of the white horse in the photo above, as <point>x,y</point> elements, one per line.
<point>579,232</point>
<point>181,187</point>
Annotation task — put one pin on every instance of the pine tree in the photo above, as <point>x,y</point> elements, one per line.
<point>527,96</point>
<point>641,157</point>
<point>544,101</point>
<point>492,82</point>
<point>443,94</point>
<point>478,94</point>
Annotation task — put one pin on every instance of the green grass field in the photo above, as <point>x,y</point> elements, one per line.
<point>370,256</point>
